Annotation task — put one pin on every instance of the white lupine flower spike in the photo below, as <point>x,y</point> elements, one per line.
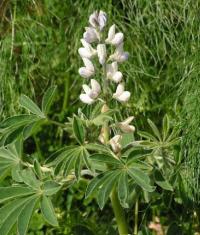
<point>120,94</point>
<point>125,127</point>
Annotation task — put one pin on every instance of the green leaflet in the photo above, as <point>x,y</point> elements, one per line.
<point>103,158</point>
<point>30,179</point>
<point>78,165</point>
<point>165,126</point>
<point>9,214</point>
<point>96,182</point>
<point>78,129</point>
<point>123,189</point>
<point>37,169</point>
<point>18,120</point>
<point>106,188</point>
<point>98,148</point>
<point>14,192</point>
<point>50,187</point>
<point>141,179</point>
<point>161,181</point>
<point>48,99</point>
<point>25,216</point>
<point>154,129</point>
<point>28,104</point>
<point>48,211</point>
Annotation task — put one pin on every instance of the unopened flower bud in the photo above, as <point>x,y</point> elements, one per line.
<point>115,143</point>
<point>93,19</point>
<point>104,108</point>
<point>98,19</point>
<point>101,51</point>
<point>125,127</point>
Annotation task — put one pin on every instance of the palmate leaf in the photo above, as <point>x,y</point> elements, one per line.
<point>68,158</point>
<point>24,201</point>
<point>104,183</point>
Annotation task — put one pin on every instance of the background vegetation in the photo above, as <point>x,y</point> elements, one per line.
<point>39,41</point>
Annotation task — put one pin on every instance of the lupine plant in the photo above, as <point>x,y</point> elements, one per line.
<point>104,149</point>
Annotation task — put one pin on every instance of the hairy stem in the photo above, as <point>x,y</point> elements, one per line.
<point>119,214</point>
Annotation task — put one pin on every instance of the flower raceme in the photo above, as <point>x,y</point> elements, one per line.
<point>94,45</point>
<point>94,35</point>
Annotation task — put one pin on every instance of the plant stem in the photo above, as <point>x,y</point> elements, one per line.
<point>57,123</point>
<point>119,213</point>
<point>136,217</point>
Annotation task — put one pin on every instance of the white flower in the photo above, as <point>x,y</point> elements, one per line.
<point>115,143</point>
<point>87,51</point>
<point>90,93</point>
<point>120,94</point>
<point>112,73</point>
<point>93,19</point>
<point>88,70</point>
<point>114,39</point>
<point>119,55</point>
<point>101,52</point>
<point>98,19</point>
<point>102,18</point>
<point>86,99</point>
<point>91,35</point>
<point>125,127</point>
